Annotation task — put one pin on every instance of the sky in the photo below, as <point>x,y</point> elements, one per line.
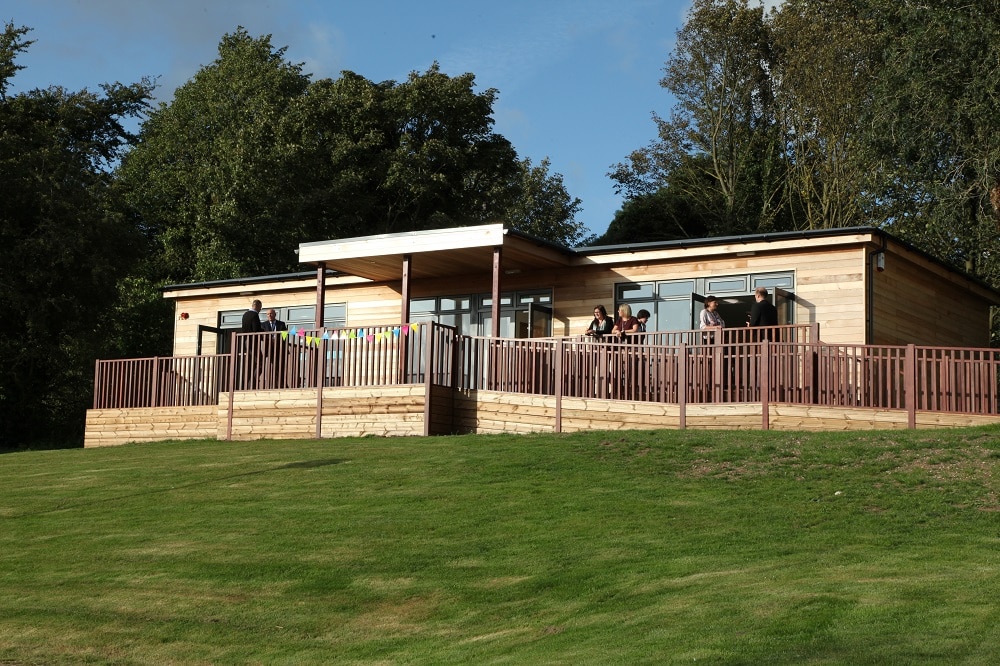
<point>577,80</point>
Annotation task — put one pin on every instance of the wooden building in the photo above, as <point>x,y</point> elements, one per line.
<point>861,285</point>
<point>478,329</point>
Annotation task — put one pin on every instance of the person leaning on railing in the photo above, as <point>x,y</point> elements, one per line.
<point>626,324</point>
<point>601,325</point>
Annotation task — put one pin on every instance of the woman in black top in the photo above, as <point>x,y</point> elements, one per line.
<point>601,325</point>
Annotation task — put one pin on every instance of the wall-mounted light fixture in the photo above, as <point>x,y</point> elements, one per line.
<point>880,261</point>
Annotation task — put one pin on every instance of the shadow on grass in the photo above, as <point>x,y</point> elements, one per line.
<point>302,464</point>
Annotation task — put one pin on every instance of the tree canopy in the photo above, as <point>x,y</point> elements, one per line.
<point>64,244</point>
<point>251,158</point>
<point>830,113</point>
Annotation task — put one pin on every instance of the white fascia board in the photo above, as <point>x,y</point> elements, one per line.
<point>412,242</point>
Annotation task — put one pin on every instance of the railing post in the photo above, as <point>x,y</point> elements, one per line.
<point>235,340</point>
<point>97,380</point>
<point>682,385</point>
<point>320,385</point>
<point>560,350</point>
<point>428,377</point>
<point>910,386</point>
<point>765,384</point>
<point>155,379</point>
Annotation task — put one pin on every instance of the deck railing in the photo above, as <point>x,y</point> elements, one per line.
<point>780,364</point>
<point>171,381</point>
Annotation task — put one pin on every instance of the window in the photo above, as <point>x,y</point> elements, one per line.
<point>670,301</point>
<point>472,314</point>
<point>300,316</point>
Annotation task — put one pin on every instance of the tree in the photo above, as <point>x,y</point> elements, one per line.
<point>63,246</point>
<point>206,177</point>
<point>719,72</point>
<point>251,159</point>
<point>936,129</point>
<point>823,82</point>
<point>668,213</point>
<point>542,207</point>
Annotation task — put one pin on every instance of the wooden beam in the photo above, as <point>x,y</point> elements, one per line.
<point>320,293</point>
<point>495,312</point>
<point>404,307</point>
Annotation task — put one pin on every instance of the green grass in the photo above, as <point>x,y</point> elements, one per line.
<point>597,548</point>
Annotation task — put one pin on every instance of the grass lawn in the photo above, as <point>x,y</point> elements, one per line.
<point>596,548</point>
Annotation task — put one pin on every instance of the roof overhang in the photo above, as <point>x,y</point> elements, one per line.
<point>435,253</point>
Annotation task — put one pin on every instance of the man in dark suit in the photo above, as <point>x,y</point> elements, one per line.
<point>251,319</point>
<point>273,323</point>
<point>763,312</point>
<point>248,375</point>
<point>275,349</point>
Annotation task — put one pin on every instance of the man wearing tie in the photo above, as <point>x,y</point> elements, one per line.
<point>276,350</point>
<point>273,323</point>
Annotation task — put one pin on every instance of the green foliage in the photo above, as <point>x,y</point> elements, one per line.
<point>593,548</point>
<point>251,159</point>
<point>831,113</point>
<point>63,246</point>
<point>206,179</point>
<point>720,145</point>
<point>936,128</point>
<point>663,215</point>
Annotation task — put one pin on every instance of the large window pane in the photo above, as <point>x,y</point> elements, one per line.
<point>674,315</point>
<point>633,290</point>
<point>676,288</point>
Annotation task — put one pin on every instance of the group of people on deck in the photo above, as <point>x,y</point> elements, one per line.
<point>624,326</point>
<point>762,313</point>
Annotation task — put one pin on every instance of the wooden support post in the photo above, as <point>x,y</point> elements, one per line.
<point>682,385</point>
<point>320,294</point>
<point>910,386</point>
<point>495,310</point>
<point>404,317</point>
<point>428,378</point>
<point>154,393</point>
<point>765,384</point>
<point>321,381</point>
<point>560,350</point>
<point>232,384</point>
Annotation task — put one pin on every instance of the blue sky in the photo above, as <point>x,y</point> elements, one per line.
<point>578,80</point>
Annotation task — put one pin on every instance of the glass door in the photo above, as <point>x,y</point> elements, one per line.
<point>539,321</point>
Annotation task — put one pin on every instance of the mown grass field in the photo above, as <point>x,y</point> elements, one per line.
<point>597,548</point>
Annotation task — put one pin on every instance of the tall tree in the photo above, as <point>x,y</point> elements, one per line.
<point>719,72</point>
<point>206,178</point>
<point>251,158</point>
<point>937,128</point>
<point>823,81</point>
<point>62,245</point>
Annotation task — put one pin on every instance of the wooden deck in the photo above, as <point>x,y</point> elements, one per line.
<point>427,379</point>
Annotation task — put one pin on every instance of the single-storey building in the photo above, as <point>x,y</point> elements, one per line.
<point>860,285</point>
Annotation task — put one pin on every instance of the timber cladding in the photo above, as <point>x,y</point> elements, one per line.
<point>112,427</point>
<point>915,301</point>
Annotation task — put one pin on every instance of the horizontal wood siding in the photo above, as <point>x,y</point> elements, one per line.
<point>386,412</point>
<point>112,427</point>
<point>486,412</point>
<point>917,302</point>
<point>285,414</point>
<point>581,414</point>
<point>813,418</point>
<point>734,416</point>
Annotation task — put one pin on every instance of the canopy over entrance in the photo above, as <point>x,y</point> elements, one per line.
<point>434,254</point>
